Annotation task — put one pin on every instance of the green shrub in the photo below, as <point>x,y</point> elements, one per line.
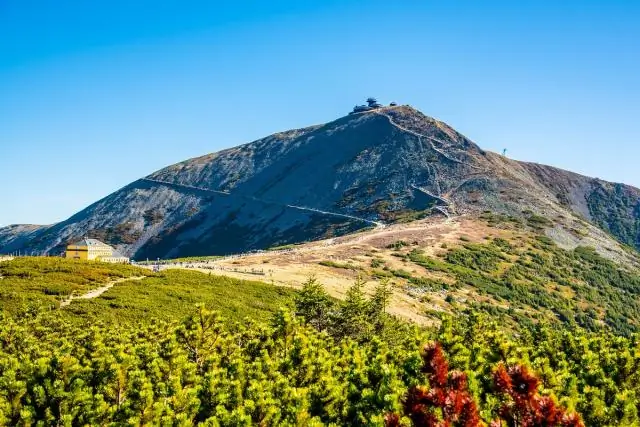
<point>346,266</point>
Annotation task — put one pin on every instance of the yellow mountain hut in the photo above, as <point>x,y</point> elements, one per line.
<point>92,249</point>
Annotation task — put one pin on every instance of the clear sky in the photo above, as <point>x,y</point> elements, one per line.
<point>94,95</point>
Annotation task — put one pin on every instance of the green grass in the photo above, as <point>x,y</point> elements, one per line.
<point>377,262</point>
<point>184,259</point>
<point>538,222</point>
<point>403,274</point>
<point>381,274</point>
<point>173,294</point>
<point>283,247</point>
<point>501,220</point>
<point>44,281</point>
<point>344,265</point>
<point>29,283</point>
<point>397,245</point>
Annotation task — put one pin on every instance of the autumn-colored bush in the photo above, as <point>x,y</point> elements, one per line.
<point>446,402</point>
<point>523,406</point>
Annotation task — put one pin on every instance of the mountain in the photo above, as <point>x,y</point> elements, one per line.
<point>367,169</point>
<point>17,237</point>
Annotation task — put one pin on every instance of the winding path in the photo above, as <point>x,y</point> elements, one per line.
<point>94,293</point>
<point>430,139</point>
<point>378,224</point>
<point>190,187</point>
<point>442,199</point>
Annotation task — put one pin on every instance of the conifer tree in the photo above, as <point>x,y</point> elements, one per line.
<point>313,304</point>
<point>353,318</point>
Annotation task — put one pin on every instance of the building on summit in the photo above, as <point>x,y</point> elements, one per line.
<point>372,104</point>
<point>92,249</point>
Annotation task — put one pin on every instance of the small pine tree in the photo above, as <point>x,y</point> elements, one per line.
<point>378,305</point>
<point>352,319</point>
<point>199,334</point>
<point>313,304</point>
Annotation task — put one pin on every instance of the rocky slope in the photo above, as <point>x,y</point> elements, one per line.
<point>17,237</point>
<point>363,170</point>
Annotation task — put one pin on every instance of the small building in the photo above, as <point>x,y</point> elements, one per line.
<point>372,104</point>
<point>92,249</point>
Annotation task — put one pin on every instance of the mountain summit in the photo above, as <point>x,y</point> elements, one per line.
<point>372,167</point>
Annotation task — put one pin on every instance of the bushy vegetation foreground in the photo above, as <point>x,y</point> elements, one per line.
<point>45,281</point>
<point>531,280</point>
<point>320,362</point>
<point>39,283</point>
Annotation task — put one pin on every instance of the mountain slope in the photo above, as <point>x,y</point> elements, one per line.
<point>14,238</point>
<point>386,165</point>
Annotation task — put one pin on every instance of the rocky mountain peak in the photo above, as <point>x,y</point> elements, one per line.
<point>374,166</point>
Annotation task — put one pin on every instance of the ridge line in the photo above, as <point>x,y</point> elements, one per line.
<point>419,135</point>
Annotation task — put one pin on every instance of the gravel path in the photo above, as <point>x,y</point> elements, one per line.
<point>98,291</point>
<point>378,224</point>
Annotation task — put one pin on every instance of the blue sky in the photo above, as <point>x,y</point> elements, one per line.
<point>94,95</point>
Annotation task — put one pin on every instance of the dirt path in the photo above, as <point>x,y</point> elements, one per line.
<point>378,224</point>
<point>303,208</point>
<point>430,139</point>
<point>98,291</point>
<point>290,268</point>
